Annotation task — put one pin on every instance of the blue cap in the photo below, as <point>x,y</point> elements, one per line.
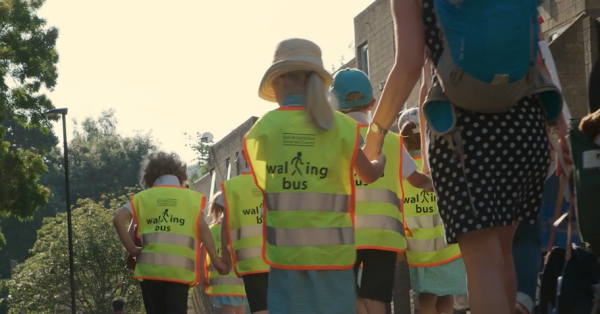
<point>351,80</point>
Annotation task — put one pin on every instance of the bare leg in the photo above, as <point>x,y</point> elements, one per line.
<point>445,304</point>
<point>360,306</point>
<point>427,303</point>
<point>228,309</point>
<point>240,310</point>
<point>506,235</point>
<point>374,306</point>
<point>484,263</point>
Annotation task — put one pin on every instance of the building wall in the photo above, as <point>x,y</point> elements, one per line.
<point>375,27</point>
<point>568,53</point>
<point>576,49</point>
<point>221,153</point>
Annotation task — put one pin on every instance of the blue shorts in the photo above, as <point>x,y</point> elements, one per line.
<point>441,280</point>
<point>231,301</point>
<point>311,291</point>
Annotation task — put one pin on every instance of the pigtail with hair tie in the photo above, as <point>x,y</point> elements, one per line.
<point>318,105</point>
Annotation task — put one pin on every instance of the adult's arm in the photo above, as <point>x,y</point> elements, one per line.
<point>425,86</point>
<point>410,52</point>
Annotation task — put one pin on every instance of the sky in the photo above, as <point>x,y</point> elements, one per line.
<point>183,65</point>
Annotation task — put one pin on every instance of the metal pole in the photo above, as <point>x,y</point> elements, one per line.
<point>69,225</point>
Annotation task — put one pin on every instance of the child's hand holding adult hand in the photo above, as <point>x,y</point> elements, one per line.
<point>135,251</point>
<point>373,145</point>
<point>226,258</point>
<point>221,267</point>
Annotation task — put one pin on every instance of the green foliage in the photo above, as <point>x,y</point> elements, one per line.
<point>103,159</point>
<point>101,162</point>
<point>41,283</point>
<point>28,60</point>
<point>202,150</point>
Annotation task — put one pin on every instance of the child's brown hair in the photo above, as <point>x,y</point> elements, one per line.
<point>590,124</point>
<point>215,211</point>
<point>411,140</point>
<point>355,96</point>
<point>157,164</point>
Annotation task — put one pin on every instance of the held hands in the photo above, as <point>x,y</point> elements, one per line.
<point>135,251</point>
<point>226,257</point>
<point>221,267</point>
<point>373,145</point>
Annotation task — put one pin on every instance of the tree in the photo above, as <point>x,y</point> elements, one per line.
<point>201,148</point>
<point>41,283</point>
<point>27,64</point>
<point>101,162</point>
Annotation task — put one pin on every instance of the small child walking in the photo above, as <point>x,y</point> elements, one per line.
<point>171,228</point>
<point>437,271</point>
<point>227,291</point>
<point>303,156</point>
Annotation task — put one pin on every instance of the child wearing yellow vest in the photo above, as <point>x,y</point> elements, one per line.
<point>437,271</point>
<point>171,228</point>
<point>227,291</point>
<point>378,221</point>
<point>302,156</point>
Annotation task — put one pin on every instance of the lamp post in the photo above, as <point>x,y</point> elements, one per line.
<point>63,113</point>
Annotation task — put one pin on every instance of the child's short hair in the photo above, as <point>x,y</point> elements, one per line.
<point>215,210</point>
<point>355,96</point>
<point>411,140</point>
<point>590,124</point>
<point>157,164</point>
<point>118,305</point>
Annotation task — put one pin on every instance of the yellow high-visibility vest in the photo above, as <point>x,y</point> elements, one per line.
<point>167,219</point>
<point>306,175</point>
<point>426,242</point>
<point>378,221</point>
<point>228,285</point>
<point>244,206</point>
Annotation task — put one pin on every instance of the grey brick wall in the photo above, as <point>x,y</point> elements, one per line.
<point>568,51</point>
<point>220,152</point>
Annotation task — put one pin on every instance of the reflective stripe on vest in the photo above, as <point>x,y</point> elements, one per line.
<point>228,285</point>
<point>378,220</point>
<point>306,176</point>
<point>243,203</point>
<point>425,231</point>
<point>167,220</point>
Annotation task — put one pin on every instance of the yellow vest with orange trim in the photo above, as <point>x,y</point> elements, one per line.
<point>378,221</point>
<point>167,219</point>
<point>218,285</point>
<point>426,242</point>
<point>244,206</point>
<point>306,175</point>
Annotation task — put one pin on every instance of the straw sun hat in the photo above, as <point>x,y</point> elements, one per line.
<point>293,54</point>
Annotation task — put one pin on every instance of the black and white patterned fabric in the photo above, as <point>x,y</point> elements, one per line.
<point>503,169</point>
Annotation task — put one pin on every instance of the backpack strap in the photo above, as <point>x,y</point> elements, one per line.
<point>557,210</point>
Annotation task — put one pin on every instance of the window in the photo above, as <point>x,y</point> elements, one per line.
<point>213,181</point>
<point>228,165</point>
<point>363,52</point>
<point>237,163</point>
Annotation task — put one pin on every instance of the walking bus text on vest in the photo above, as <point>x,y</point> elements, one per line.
<point>422,197</point>
<point>297,168</point>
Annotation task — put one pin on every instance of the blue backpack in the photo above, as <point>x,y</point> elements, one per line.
<point>489,60</point>
<point>487,65</point>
